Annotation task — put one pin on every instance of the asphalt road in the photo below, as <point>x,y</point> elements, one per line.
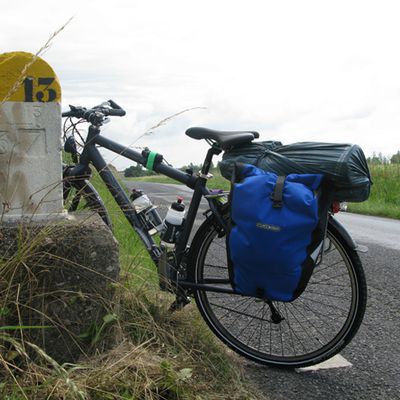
<point>374,354</point>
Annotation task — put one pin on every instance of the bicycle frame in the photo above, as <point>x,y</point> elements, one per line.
<point>91,154</point>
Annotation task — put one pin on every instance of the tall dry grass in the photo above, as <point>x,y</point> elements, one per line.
<point>153,354</point>
<point>40,52</point>
<point>142,351</point>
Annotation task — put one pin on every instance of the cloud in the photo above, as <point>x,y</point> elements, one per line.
<point>355,115</point>
<point>292,70</point>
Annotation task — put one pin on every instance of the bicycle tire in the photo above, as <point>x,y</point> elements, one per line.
<point>82,195</point>
<point>327,318</point>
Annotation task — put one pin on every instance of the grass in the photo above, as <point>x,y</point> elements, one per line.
<point>183,335</point>
<point>132,252</point>
<point>155,354</point>
<point>385,193</point>
<point>384,200</point>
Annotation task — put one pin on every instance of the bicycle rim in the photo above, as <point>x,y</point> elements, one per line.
<point>316,326</point>
<point>82,196</point>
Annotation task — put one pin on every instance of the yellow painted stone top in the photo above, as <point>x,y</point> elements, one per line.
<point>25,77</point>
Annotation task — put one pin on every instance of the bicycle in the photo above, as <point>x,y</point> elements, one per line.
<point>307,331</point>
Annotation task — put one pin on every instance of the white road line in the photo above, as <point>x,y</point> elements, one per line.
<point>337,361</point>
<point>161,194</point>
<point>186,196</point>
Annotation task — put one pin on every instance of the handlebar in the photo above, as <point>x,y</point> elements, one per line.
<point>115,106</point>
<point>97,114</point>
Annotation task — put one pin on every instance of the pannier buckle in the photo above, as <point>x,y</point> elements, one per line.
<point>277,194</point>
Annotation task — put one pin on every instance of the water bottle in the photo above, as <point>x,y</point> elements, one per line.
<point>170,231</point>
<point>146,212</point>
<point>173,222</point>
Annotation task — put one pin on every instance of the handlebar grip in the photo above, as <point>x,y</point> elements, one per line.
<point>117,112</point>
<point>116,107</point>
<point>68,114</point>
<point>113,104</point>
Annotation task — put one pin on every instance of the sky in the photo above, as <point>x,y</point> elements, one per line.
<point>310,70</point>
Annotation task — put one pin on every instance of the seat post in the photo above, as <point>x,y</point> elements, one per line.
<point>213,151</point>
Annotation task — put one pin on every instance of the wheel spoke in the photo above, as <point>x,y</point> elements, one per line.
<point>239,312</point>
<point>312,325</point>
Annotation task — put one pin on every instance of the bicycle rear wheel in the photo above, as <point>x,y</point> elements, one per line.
<point>316,325</point>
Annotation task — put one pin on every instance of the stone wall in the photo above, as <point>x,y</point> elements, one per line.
<point>61,276</point>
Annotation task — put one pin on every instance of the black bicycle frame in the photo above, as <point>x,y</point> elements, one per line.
<point>91,154</point>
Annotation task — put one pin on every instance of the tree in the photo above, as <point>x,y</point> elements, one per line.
<point>134,171</point>
<point>395,159</point>
<point>378,159</point>
<point>195,168</point>
<point>137,170</point>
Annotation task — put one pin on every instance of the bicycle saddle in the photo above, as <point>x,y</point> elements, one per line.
<point>225,139</point>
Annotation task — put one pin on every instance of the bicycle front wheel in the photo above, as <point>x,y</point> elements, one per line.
<point>314,327</point>
<point>82,195</point>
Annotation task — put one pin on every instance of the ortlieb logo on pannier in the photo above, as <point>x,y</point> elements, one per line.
<point>276,232</point>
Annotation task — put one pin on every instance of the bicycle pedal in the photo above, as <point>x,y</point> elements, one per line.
<point>179,303</point>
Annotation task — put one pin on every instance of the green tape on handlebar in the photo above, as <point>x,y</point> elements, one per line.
<point>150,160</point>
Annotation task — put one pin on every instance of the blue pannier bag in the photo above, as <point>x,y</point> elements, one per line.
<point>276,232</point>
